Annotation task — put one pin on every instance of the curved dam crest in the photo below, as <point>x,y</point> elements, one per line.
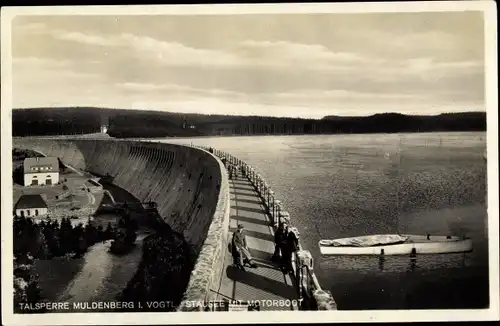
<point>189,185</point>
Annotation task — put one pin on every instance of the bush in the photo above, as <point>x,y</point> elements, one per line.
<point>124,240</point>
<point>26,287</point>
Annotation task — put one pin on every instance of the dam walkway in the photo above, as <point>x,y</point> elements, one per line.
<point>267,281</point>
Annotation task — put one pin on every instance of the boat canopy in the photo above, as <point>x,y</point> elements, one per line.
<point>365,241</point>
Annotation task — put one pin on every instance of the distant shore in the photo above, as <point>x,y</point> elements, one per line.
<point>156,124</point>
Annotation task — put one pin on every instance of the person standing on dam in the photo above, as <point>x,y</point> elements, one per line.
<point>240,243</point>
<point>237,260</point>
<point>279,237</point>
<point>289,246</point>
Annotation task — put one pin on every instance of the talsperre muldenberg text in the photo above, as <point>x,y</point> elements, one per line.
<point>96,305</point>
<point>111,305</point>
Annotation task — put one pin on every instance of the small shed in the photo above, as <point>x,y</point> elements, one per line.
<point>31,206</point>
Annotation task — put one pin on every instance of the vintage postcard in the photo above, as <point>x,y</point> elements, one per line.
<point>253,163</point>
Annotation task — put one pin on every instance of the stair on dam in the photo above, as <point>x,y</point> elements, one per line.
<point>267,281</point>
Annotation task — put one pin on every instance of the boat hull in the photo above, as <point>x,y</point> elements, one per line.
<point>417,244</point>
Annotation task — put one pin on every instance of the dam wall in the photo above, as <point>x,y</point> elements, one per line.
<point>189,185</point>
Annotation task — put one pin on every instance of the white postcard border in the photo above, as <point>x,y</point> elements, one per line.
<point>489,10</point>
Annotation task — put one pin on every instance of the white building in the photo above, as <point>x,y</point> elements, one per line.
<point>41,171</point>
<point>31,206</point>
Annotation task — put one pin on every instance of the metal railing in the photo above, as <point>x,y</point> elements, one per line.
<point>308,288</point>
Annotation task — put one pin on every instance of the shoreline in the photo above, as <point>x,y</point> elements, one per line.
<point>109,137</point>
<point>301,134</point>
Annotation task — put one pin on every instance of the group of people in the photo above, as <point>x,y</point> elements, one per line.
<point>232,171</point>
<point>285,244</point>
<point>231,168</point>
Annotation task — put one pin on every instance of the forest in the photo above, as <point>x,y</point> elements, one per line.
<point>50,239</point>
<point>154,124</point>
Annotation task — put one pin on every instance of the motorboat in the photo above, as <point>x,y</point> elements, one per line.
<point>395,244</point>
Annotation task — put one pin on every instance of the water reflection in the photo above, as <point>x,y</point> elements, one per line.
<point>394,264</point>
<point>413,260</point>
<point>381,261</point>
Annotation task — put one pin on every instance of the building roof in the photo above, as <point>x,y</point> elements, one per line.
<point>30,162</point>
<point>31,201</point>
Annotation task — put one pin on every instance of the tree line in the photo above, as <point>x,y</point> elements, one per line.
<point>50,239</point>
<point>136,123</point>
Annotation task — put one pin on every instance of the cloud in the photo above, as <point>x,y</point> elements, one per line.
<point>48,82</point>
<point>33,27</point>
<point>245,54</point>
<point>174,88</point>
<point>173,53</point>
<point>348,66</point>
<point>84,38</point>
<point>41,70</point>
<point>288,53</point>
<point>163,52</point>
<point>35,62</point>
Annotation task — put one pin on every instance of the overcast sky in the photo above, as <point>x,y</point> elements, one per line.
<point>306,65</point>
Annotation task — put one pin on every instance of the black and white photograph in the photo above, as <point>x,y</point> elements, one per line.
<point>337,162</point>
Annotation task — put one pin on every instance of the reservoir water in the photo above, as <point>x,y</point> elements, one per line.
<point>350,185</point>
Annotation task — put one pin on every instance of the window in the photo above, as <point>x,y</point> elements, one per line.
<point>36,212</point>
<point>28,212</point>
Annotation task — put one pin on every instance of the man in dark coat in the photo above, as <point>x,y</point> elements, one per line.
<point>279,237</point>
<point>290,245</point>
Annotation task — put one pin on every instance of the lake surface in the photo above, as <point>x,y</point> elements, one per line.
<point>350,185</point>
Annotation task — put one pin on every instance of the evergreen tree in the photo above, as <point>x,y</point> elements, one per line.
<point>110,232</point>
<point>78,244</point>
<point>91,236</point>
<point>41,249</point>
